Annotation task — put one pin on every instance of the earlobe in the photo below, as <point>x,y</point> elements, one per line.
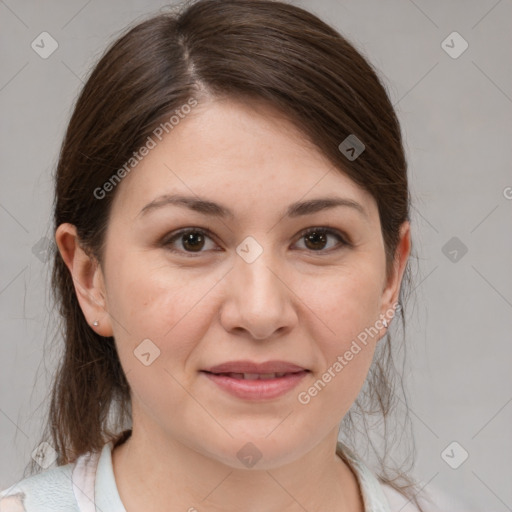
<point>87,279</point>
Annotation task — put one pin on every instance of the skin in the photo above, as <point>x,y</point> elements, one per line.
<point>298,302</point>
<point>12,504</point>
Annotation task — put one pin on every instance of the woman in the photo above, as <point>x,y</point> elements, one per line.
<point>232,224</point>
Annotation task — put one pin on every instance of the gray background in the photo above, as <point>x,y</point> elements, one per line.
<point>455,114</point>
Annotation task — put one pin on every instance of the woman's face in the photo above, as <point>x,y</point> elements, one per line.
<point>244,286</point>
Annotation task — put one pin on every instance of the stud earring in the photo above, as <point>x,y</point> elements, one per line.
<point>95,323</point>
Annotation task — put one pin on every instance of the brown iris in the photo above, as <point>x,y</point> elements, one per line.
<point>193,241</point>
<point>317,238</point>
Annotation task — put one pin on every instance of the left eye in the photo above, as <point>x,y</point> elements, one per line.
<point>319,236</point>
<point>193,240</point>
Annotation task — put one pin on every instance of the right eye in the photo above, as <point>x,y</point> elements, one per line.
<point>192,240</point>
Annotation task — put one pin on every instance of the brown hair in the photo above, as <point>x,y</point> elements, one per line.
<point>253,49</point>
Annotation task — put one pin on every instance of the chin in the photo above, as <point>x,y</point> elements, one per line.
<point>258,453</point>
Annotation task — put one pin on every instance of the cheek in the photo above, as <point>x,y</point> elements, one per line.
<point>148,300</point>
<point>349,304</point>
<point>348,301</point>
<point>171,309</point>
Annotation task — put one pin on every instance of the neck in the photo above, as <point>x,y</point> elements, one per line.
<point>163,474</point>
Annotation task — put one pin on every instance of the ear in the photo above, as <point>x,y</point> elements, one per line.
<point>87,279</point>
<point>391,289</point>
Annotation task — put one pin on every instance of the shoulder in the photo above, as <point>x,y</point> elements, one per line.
<point>435,501</point>
<point>397,501</point>
<point>381,496</point>
<point>48,491</point>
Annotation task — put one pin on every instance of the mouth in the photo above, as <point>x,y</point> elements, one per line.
<point>256,381</point>
<point>255,376</point>
<point>272,368</point>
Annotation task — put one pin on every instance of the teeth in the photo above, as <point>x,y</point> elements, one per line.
<point>251,376</point>
<point>255,376</point>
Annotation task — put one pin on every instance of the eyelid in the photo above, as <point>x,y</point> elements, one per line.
<point>329,231</point>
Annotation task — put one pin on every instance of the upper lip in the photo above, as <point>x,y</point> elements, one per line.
<point>252,367</point>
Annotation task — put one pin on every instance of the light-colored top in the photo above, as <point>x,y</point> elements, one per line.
<point>88,485</point>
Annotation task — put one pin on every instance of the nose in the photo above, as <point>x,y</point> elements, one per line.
<point>258,300</point>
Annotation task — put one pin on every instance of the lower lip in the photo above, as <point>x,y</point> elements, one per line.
<point>257,389</point>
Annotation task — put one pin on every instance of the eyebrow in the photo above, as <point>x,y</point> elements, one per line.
<point>206,207</point>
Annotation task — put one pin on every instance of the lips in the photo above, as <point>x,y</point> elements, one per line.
<point>249,380</point>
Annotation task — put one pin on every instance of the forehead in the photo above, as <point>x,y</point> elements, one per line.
<point>241,153</point>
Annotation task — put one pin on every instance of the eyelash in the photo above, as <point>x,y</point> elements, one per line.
<point>167,241</point>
